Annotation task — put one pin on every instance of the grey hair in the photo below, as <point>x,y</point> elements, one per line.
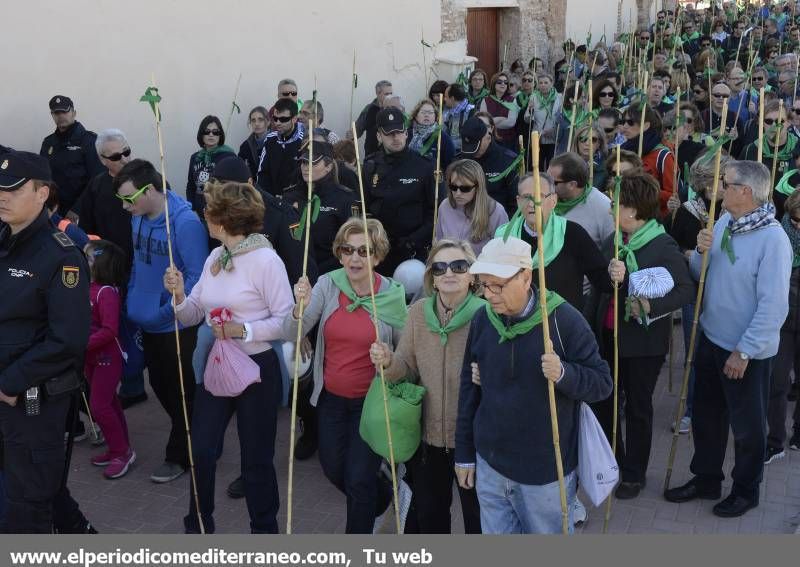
<point>309,105</point>
<point>284,82</point>
<point>543,176</point>
<point>110,135</point>
<point>785,57</point>
<point>701,173</point>
<point>380,84</point>
<point>753,174</point>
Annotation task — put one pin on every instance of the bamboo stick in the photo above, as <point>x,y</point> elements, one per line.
<point>436,174</point>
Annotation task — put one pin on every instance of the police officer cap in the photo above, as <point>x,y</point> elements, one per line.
<point>232,168</point>
<point>16,168</point>
<point>321,150</point>
<point>472,132</point>
<point>390,120</point>
<point>61,103</point>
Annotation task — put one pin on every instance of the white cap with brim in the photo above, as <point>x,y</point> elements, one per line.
<point>502,258</point>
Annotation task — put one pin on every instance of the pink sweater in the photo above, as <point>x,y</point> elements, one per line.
<point>256,291</point>
<point>454,224</point>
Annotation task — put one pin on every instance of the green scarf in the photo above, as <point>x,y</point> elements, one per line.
<point>476,100</point>
<point>784,187</point>
<point>640,238</point>
<point>297,231</point>
<point>522,100</point>
<point>506,171</point>
<point>207,156</point>
<point>727,246</point>
<point>546,102</point>
<point>785,153</point>
<point>563,207</point>
<point>391,304</point>
<point>522,327</point>
<point>461,316</point>
<point>429,142</point>
<point>554,232</point>
<point>507,105</point>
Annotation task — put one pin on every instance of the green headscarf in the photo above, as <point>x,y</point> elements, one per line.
<point>461,316</point>
<point>650,230</point>
<point>391,303</point>
<point>522,327</point>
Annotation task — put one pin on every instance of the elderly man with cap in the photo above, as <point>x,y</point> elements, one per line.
<point>400,192</point>
<point>504,446</point>
<point>44,333</point>
<point>71,153</point>
<point>499,164</point>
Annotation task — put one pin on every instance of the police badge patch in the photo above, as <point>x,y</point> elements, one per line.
<point>50,150</point>
<point>69,276</point>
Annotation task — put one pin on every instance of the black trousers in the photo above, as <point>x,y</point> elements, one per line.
<point>787,359</point>
<point>162,367</point>
<point>33,464</point>
<point>721,403</point>
<point>637,382</point>
<point>432,477</point>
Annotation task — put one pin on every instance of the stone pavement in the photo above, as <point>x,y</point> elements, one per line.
<point>134,504</point>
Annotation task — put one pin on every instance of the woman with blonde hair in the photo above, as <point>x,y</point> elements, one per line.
<point>468,213</point>
<point>590,144</point>
<point>432,349</point>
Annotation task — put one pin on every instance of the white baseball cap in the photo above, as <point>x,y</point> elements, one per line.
<point>502,258</point>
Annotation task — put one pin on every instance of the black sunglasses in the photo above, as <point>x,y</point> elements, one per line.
<point>210,132</point>
<point>118,156</point>
<point>527,80</point>
<point>771,121</point>
<point>282,119</point>
<point>629,122</point>
<point>720,95</point>
<point>609,130</point>
<point>607,94</point>
<point>289,93</point>
<point>461,188</point>
<point>456,266</point>
<point>347,250</point>
<point>584,139</point>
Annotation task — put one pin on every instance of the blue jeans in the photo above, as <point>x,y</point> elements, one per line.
<point>687,314</point>
<point>509,507</point>
<point>347,460</point>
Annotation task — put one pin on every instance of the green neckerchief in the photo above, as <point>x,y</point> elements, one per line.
<point>478,97</point>
<point>692,37</point>
<point>297,232</point>
<point>785,153</point>
<point>554,232</point>
<point>207,156</point>
<point>784,187</point>
<point>689,189</point>
<point>429,142</point>
<point>507,105</point>
<point>506,171</point>
<point>462,315</point>
<point>391,304</point>
<point>727,246</point>
<point>650,230</point>
<point>522,327</point>
<point>522,100</point>
<point>563,207</point>
<point>546,102</point>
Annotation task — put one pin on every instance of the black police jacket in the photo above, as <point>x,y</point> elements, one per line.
<point>495,161</point>
<point>45,314</point>
<point>336,206</point>
<point>278,161</point>
<point>100,212</point>
<point>73,160</point>
<point>399,192</point>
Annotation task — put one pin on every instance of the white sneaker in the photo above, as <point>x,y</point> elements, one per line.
<point>685,425</point>
<point>579,512</point>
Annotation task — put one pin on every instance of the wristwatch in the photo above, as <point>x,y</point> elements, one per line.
<point>244,333</point>
<point>744,356</point>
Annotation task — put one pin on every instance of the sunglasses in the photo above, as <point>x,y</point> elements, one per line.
<point>210,132</point>
<point>629,122</point>
<point>135,196</point>
<point>501,82</point>
<point>527,80</point>
<point>698,92</point>
<point>607,94</point>
<point>118,156</point>
<point>584,139</point>
<point>282,119</point>
<point>461,188</point>
<point>720,95</point>
<point>771,121</point>
<point>609,130</point>
<point>758,79</point>
<point>705,45</point>
<point>289,93</point>
<point>456,266</point>
<point>347,250</point>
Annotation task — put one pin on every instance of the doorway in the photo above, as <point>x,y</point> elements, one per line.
<point>482,38</point>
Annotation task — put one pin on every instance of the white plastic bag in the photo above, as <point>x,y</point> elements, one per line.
<point>597,468</point>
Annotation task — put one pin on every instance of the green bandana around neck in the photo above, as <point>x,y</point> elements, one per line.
<point>786,151</point>
<point>512,167</point>
<point>390,304</point>
<point>207,156</point>
<point>507,105</point>
<point>461,316</point>
<point>650,230</point>
<point>522,100</point>
<point>434,135</point>
<point>727,246</point>
<point>476,99</point>
<point>546,102</point>
<point>554,231</point>
<point>784,187</point>
<point>508,333</point>
<point>563,207</point>
<point>297,232</point>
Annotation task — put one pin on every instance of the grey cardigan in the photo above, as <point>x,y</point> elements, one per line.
<point>324,301</point>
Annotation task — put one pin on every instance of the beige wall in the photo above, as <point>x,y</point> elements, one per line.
<point>102,53</point>
<point>597,13</point>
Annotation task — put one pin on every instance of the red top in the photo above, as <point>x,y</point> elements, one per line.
<point>105,303</point>
<point>347,368</point>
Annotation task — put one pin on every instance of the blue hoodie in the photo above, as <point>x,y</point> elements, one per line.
<point>149,304</point>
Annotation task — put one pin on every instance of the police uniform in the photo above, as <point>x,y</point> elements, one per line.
<point>72,155</point>
<point>399,192</point>
<point>44,331</point>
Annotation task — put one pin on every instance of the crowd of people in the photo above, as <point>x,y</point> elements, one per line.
<point>171,280</point>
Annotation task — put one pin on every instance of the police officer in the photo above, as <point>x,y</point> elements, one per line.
<point>399,190</point>
<point>43,336</point>
<point>500,165</point>
<point>71,152</point>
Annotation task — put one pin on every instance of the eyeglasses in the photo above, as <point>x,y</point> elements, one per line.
<point>720,95</point>
<point>629,122</point>
<point>461,188</point>
<point>257,119</point>
<point>726,184</point>
<point>698,92</point>
<point>527,79</point>
<point>497,289</point>
<point>132,198</point>
<point>759,79</point>
<point>501,82</point>
<point>347,250</point>
<point>771,121</point>
<point>289,93</point>
<point>210,132</point>
<point>427,112</point>
<point>282,119</point>
<point>456,266</point>
<point>584,139</point>
<point>118,156</point>
<point>609,129</point>
<point>606,94</point>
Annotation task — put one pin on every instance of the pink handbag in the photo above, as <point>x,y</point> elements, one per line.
<point>229,370</point>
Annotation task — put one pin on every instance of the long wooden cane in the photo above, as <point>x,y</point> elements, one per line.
<point>614,419</point>
<point>437,175</point>
<point>574,110</point>
<point>693,335</point>
<point>775,149</point>
<point>760,124</point>
<point>644,113</point>
<point>353,85</point>
<point>590,133</point>
<point>89,413</point>
<point>548,345</point>
<point>155,104</point>
<point>378,338</point>
<point>234,106</point>
<point>299,336</point>
<point>522,162</point>
<point>674,213</point>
